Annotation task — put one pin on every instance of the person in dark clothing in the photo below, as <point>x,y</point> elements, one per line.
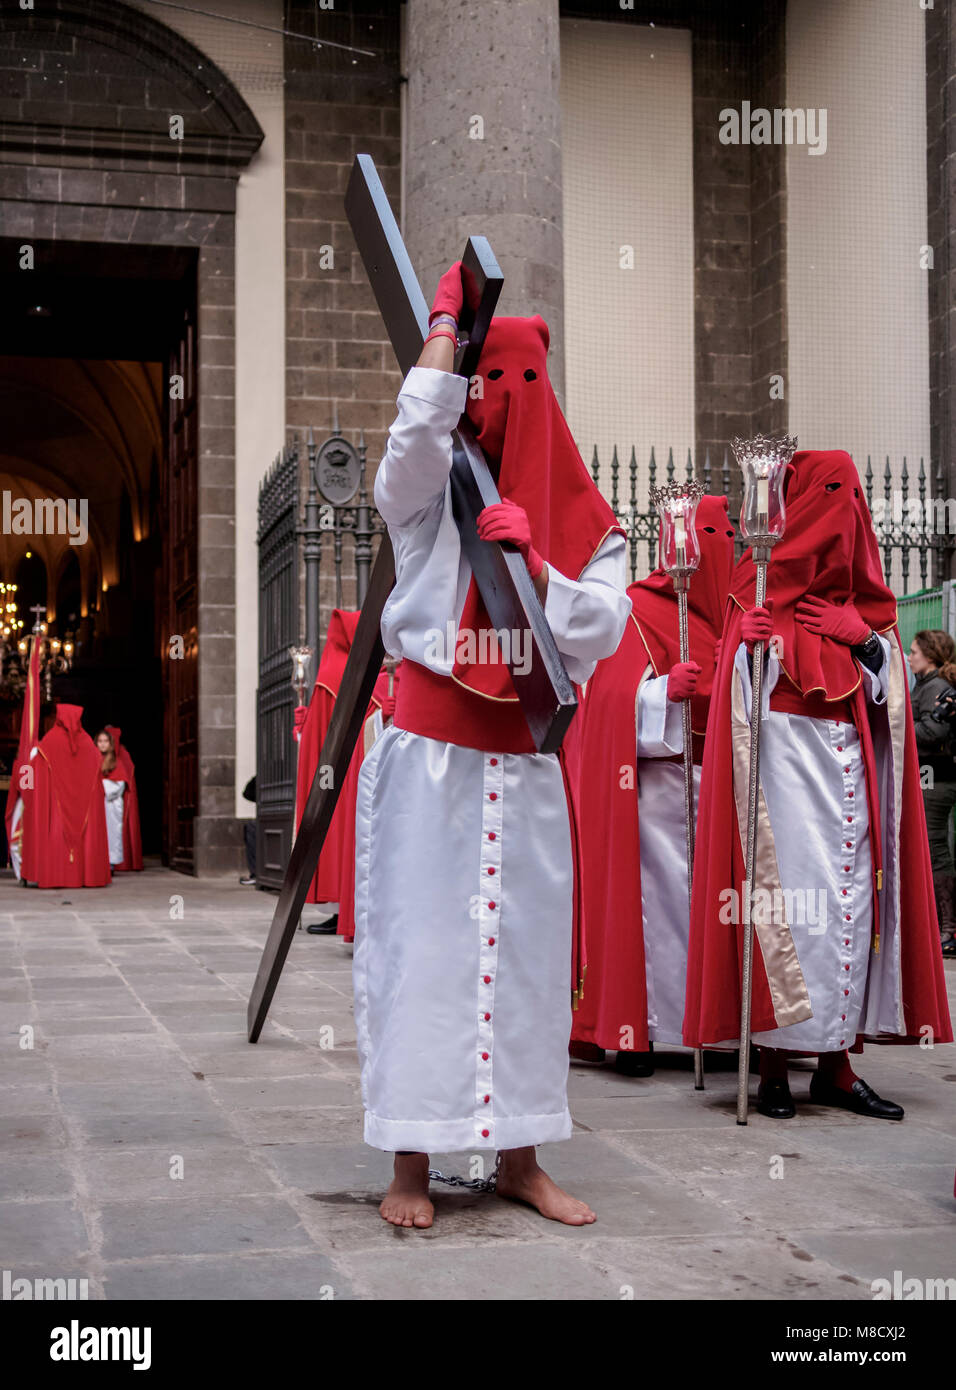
<point>932,659</point>
<point>249,828</point>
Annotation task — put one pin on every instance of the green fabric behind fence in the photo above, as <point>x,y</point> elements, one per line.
<point>923,609</point>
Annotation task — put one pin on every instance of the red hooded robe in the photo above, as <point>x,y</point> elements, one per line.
<point>334,880</point>
<point>29,737</point>
<point>66,825</point>
<point>126,772</point>
<point>613,1008</point>
<point>828,550</point>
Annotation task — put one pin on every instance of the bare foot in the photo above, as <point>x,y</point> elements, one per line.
<point>521,1180</point>
<point>406,1203</point>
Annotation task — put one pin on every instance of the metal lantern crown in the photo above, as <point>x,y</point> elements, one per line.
<point>763,462</point>
<point>676,505</point>
<point>301,657</point>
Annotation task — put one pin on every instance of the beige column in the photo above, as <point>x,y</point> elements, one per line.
<point>483,148</point>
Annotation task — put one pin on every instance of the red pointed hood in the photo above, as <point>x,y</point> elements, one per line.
<point>654,603</point>
<point>828,549</point>
<point>523,434</point>
<point>69,718</point>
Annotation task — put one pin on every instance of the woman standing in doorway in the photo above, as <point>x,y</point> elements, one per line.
<point>932,659</point>
<point>114,789</point>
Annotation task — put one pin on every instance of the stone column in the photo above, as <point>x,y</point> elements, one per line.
<point>483,148</point>
<point>941,224</point>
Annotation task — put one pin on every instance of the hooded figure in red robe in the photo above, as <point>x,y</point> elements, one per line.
<point>65,826</point>
<point>614,1010</point>
<point>125,771</point>
<point>29,737</point>
<point>518,421</point>
<point>833,748</point>
<point>334,880</point>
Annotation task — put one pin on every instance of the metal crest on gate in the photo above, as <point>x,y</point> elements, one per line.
<point>337,470</point>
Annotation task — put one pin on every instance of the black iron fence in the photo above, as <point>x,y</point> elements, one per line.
<point>278,631</point>
<point>914,521</point>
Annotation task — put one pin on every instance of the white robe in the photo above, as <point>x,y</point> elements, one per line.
<point>814,782</point>
<point>665,903</point>
<point>114,792</point>
<point>463,907</point>
<point>15,833</point>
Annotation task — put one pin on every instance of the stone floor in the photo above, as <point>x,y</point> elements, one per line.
<point>139,1070</point>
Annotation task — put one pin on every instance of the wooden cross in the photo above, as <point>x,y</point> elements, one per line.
<point>507,590</point>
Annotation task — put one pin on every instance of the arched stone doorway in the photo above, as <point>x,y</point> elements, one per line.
<point>122,144</point>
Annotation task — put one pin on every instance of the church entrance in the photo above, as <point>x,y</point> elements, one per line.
<point>99,504</point>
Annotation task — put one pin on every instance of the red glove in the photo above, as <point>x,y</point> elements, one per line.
<point>682,680</point>
<point>388,708</point>
<point>450,295</point>
<point>840,621</point>
<point>300,712</point>
<point>507,522</point>
<point>757,625</point>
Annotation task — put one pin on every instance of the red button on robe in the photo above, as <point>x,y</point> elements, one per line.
<point>65,816</point>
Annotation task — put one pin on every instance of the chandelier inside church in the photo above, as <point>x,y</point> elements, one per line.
<point>56,655</point>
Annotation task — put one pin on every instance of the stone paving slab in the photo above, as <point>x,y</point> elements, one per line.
<point>254,1277</point>
<point>140,1072</point>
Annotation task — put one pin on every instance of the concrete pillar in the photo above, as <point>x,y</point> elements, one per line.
<point>483,148</point>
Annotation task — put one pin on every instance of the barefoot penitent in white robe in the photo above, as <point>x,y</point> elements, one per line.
<point>463,910</point>
<point>825,864</point>
<point>663,849</point>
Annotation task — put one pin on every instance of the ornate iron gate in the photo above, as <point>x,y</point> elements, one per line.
<point>278,631</point>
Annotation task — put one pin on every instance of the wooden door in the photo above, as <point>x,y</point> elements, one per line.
<point>180,636</point>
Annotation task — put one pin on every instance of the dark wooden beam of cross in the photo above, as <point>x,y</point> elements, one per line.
<point>544,689</point>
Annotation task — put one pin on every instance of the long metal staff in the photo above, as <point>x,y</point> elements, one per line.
<point>681,586</point>
<point>764,464</point>
<point>677,505</point>
<point>746,982</point>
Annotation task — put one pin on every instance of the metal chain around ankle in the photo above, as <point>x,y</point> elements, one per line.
<point>473,1184</point>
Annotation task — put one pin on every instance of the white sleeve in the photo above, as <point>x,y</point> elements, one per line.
<point>417,459</point>
<point>660,727</point>
<point>588,615</point>
<point>876,683</point>
<point>771,676</point>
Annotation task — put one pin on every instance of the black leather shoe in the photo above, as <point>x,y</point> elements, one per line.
<point>635,1063</point>
<point>774,1099</point>
<point>860,1098</point>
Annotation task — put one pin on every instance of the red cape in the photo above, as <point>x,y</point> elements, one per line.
<point>65,816</point>
<point>132,839</point>
<point>712,1010</point>
<point>29,735</point>
<point>613,1010</point>
<point>334,877</point>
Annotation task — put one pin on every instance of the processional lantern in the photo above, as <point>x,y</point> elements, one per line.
<point>676,505</point>
<point>763,461</point>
